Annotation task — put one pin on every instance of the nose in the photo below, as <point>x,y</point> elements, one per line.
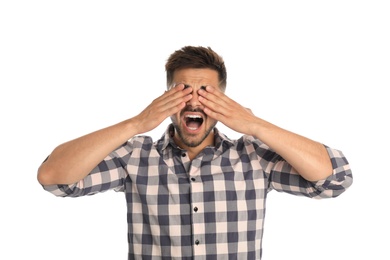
<point>194,101</point>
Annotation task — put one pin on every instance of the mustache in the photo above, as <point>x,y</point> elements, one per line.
<point>192,109</point>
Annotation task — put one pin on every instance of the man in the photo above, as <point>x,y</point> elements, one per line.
<point>194,193</point>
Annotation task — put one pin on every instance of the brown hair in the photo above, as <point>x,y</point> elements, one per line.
<point>196,57</point>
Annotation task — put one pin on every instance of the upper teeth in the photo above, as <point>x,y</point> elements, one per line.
<point>194,116</point>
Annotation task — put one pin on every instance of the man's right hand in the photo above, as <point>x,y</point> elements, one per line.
<point>169,103</point>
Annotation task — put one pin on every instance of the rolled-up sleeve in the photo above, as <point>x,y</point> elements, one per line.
<point>284,178</point>
<point>109,174</point>
<point>341,178</point>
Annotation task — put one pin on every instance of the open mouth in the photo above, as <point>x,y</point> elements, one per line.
<point>193,121</point>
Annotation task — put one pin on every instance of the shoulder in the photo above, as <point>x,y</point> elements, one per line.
<point>140,141</point>
<point>255,148</point>
<point>250,141</point>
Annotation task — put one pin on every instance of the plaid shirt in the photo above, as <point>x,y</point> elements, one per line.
<point>209,208</point>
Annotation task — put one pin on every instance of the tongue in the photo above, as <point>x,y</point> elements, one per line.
<point>193,124</point>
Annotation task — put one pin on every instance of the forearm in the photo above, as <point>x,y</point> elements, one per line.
<point>308,157</point>
<point>73,160</point>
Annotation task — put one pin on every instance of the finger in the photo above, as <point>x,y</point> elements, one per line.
<point>173,100</point>
<point>183,94</point>
<point>217,102</point>
<point>177,92</point>
<point>213,94</point>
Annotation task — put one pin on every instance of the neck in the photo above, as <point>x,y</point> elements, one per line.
<point>194,151</point>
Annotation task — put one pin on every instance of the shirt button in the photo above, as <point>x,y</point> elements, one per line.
<point>192,179</point>
<point>196,209</point>
<point>197,242</point>
<point>183,155</point>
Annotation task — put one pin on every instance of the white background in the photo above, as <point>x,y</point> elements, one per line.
<point>318,68</point>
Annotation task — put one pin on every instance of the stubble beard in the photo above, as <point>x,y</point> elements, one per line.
<point>190,142</point>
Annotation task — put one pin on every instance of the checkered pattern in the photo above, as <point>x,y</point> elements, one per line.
<point>209,208</point>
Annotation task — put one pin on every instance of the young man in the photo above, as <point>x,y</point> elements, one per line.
<point>194,193</point>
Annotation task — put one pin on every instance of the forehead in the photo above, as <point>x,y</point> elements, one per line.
<point>195,77</point>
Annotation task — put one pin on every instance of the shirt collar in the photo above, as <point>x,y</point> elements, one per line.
<point>221,141</point>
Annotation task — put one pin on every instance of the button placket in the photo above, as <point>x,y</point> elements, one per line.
<point>198,225</point>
